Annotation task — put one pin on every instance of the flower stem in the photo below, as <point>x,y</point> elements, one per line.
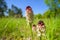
<point>31,30</point>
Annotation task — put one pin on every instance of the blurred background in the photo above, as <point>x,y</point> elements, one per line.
<point>13,25</point>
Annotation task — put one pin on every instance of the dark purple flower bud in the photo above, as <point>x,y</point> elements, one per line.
<point>28,8</point>
<point>41,23</point>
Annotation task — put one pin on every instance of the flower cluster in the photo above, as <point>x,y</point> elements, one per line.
<point>29,14</point>
<point>34,27</point>
<point>40,28</point>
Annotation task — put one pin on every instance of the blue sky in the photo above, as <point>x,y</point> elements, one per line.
<point>38,6</point>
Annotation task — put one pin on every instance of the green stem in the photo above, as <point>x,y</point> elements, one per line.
<point>41,38</point>
<point>31,30</point>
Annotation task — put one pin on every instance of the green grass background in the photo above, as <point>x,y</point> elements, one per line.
<point>16,28</point>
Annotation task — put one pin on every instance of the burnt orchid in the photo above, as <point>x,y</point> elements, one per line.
<point>34,27</point>
<point>40,28</point>
<point>29,15</point>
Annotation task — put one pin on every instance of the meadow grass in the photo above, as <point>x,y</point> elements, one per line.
<point>16,28</point>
